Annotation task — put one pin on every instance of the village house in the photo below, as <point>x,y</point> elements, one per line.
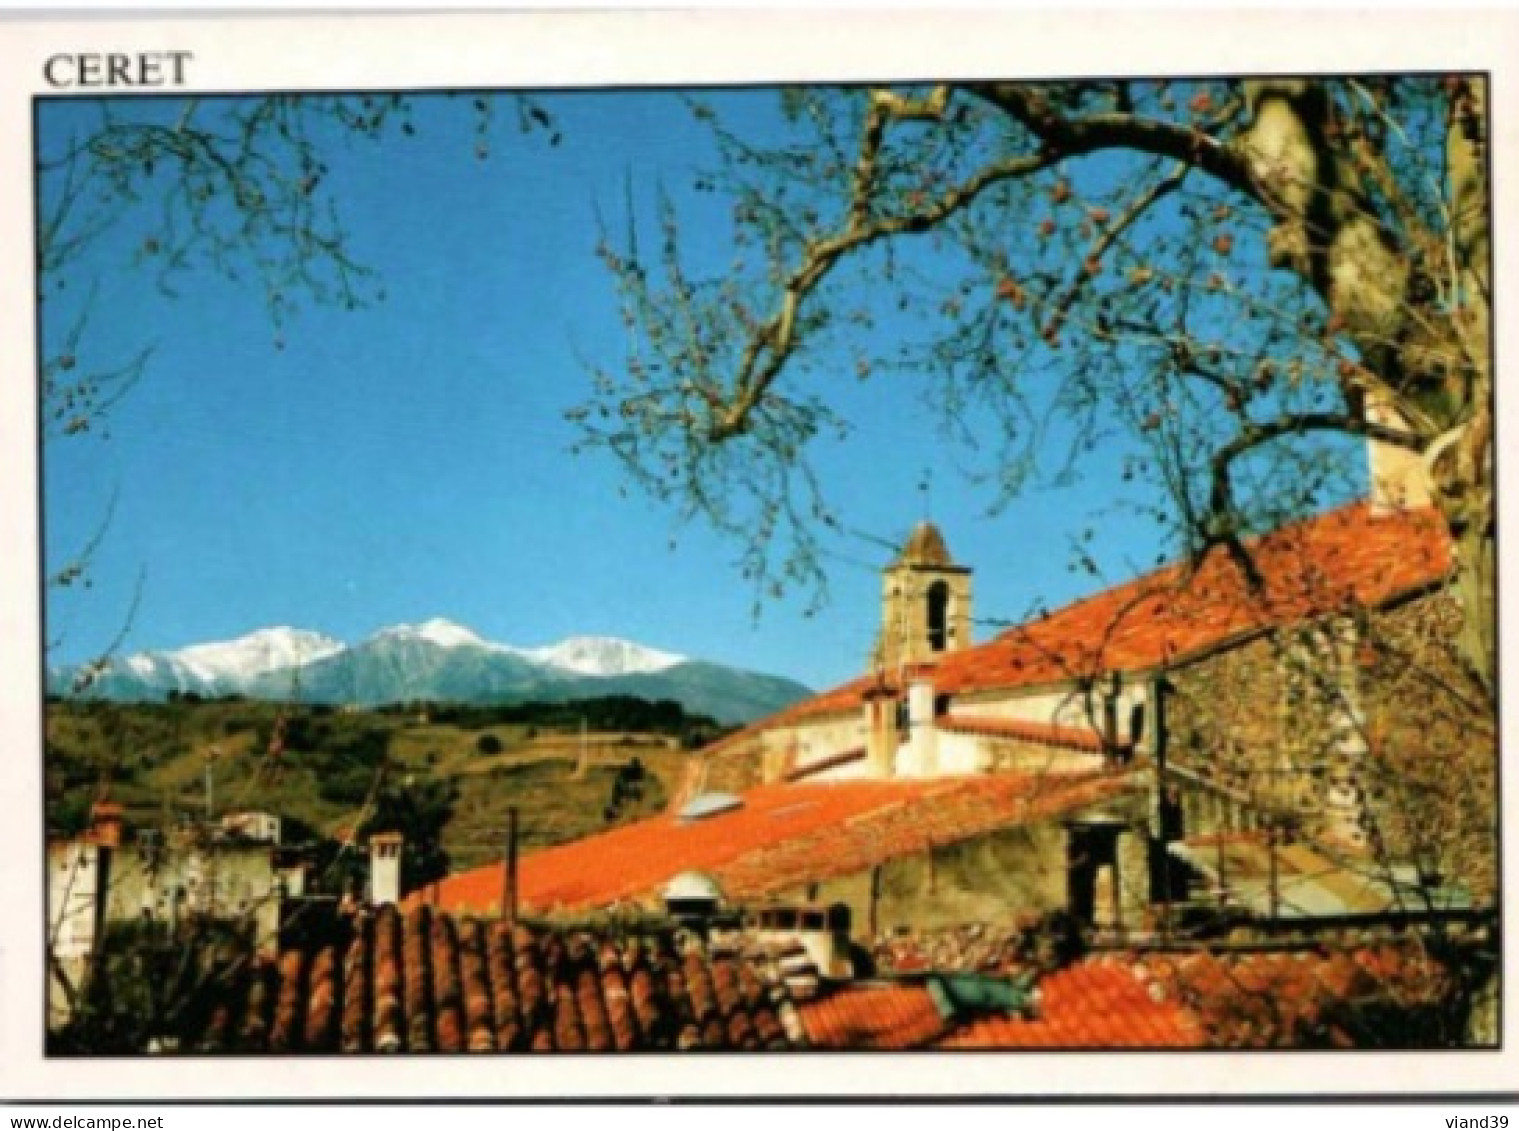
<point>112,877</point>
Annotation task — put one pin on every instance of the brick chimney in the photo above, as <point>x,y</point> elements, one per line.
<point>385,868</point>
<point>106,824</point>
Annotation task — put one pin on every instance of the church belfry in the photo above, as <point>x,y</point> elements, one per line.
<point>926,603</point>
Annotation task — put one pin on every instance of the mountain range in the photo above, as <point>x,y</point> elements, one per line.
<point>437,660</point>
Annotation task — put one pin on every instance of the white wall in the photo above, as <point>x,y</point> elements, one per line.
<point>1064,707</point>
<point>73,881</point>
<point>817,741</point>
<point>962,753</point>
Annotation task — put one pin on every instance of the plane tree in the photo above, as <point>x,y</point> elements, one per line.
<point>1219,277</point>
<point>1220,291</point>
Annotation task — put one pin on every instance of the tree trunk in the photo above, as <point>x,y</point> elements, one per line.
<point>1463,471</point>
<point>1427,359</point>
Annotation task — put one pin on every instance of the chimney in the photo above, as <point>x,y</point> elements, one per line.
<point>385,868</point>
<point>881,737</point>
<point>921,734</point>
<point>1398,476</point>
<point>105,824</point>
<point>293,875</point>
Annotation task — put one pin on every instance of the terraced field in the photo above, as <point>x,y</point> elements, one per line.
<point>153,758</point>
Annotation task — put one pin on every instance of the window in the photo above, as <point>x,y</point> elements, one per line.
<point>938,616</point>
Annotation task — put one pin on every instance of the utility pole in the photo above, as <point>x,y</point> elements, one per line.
<point>582,763</point>
<point>210,841</point>
<point>210,782</point>
<point>1271,859</point>
<point>1219,828</point>
<point>509,874</point>
<point>873,924</point>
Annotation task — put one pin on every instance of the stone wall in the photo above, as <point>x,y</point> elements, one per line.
<point>1432,774</point>
<point>982,880</point>
<point>736,767</point>
<point>986,879</point>
<point>231,881</point>
<point>1277,726</point>
<point>1362,725</point>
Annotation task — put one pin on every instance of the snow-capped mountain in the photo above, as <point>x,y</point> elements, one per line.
<point>603,655</point>
<point>443,633</point>
<point>581,655</point>
<point>266,650</point>
<point>438,660</point>
<point>216,668</point>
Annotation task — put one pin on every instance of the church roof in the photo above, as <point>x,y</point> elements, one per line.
<point>925,547</point>
<point>1352,556</point>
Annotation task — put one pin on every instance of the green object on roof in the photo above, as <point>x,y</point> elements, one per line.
<point>956,995</point>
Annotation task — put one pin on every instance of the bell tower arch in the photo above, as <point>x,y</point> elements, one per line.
<point>925,604</point>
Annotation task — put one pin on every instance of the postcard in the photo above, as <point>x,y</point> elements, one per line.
<point>636,554</point>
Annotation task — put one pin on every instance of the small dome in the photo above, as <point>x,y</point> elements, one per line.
<point>709,805</point>
<point>693,886</point>
<point>925,546</point>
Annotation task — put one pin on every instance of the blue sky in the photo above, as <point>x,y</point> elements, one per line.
<point>410,459</point>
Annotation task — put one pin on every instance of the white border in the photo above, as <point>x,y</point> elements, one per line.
<point>351,51</point>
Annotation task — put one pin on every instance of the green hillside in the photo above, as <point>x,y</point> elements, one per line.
<point>561,774</point>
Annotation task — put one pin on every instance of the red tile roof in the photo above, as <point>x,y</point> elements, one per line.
<point>873,1017</point>
<point>1099,1004</point>
<point>432,982</point>
<point>844,699</point>
<point>783,835</point>
<point>1295,998</point>
<point>1347,557</point>
<point>429,982</point>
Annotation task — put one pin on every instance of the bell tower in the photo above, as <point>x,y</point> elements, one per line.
<point>925,605</point>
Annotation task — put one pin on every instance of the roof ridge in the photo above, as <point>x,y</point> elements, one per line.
<point>1284,532</point>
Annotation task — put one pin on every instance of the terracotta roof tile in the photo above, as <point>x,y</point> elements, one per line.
<point>455,985</point>
<point>783,835</point>
<point>873,1017</point>
<point>1092,1004</point>
<point>1292,998</point>
<point>482,987</point>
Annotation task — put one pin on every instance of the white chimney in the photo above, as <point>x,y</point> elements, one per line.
<point>922,736</point>
<point>385,868</point>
